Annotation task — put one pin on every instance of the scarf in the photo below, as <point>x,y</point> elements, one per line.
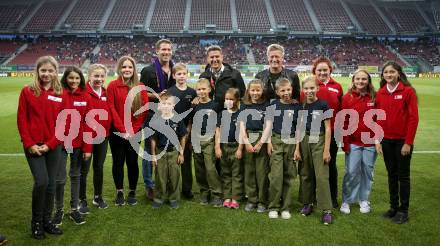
<point>159,74</point>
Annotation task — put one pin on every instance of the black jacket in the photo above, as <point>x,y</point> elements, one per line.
<point>149,78</point>
<point>270,85</point>
<point>229,78</point>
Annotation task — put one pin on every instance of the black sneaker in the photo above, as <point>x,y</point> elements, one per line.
<point>99,202</point>
<point>37,230</point>
<point>400,218</point>
<point>188,195</point>
<point>83,209</point>
<point>119,200</point>
<point>76,217</point>
<point>390,213</point>
<point>51,228</point>
<point>131,199</point>
<point>58,217</point>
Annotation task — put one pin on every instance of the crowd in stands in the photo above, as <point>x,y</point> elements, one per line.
<point>352,52</point>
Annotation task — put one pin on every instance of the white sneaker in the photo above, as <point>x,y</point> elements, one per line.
<point>345,208</point>
<point>364,207</point>
<point>286,215</point>
<point>273,214</point>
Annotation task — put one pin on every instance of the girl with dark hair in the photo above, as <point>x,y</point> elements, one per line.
<point>76,100</point>
<point>399,101</point>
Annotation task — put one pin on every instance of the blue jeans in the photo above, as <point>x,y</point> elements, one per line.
<point>358,179</point>
<point>147,166</point>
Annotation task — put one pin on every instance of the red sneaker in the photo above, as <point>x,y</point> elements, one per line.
<point>234,204</point>
<point>227,203</point>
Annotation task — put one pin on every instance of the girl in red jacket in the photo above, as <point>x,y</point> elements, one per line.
<point>398,99</point>
<point>76,100</point>
<point>38,108</point>
<point>359,156</point>
<point>97,128</point>
<point>122,150</point>
<point>329,91</point>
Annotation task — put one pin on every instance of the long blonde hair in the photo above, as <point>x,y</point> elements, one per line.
<point>55,84</point>
<point>370,87</point>
<point>132,82</point>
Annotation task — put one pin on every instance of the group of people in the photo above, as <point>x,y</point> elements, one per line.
<point>242,151</point>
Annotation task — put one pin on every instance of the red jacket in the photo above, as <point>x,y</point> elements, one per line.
<point>331,94</point>
<point>401,111</point>
<point>117,92</point>
<point>80,101</point>
<point>36,117</point>
<point>99,102</point>
<point>361,104</point>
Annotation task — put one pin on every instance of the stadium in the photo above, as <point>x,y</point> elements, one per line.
<point>353,34</point>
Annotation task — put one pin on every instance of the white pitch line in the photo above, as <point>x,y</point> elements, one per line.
<point>339,153</point>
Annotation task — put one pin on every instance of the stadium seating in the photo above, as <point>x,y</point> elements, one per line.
<point>87,14</point>
<point>215,12</point>
<point>168,16</point>
<point>68,51</point>
<point>405,20</point>
<point>422,48</point>
<point>11,16</point>
<point>127,13</point>
<point>369,19</point>
<point>252,16</point>
<point>331,15</point>
<point>47,16</point>
<point>293,14</point>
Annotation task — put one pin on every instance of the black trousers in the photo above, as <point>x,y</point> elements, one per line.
<point>186,169</point>
<point>398,168</point>
<point>333,171</point>
<point>123,152</point>
<point>99,154</point>
<point>44,170</point>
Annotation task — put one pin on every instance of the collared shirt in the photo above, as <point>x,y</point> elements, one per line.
<point>219,73</point>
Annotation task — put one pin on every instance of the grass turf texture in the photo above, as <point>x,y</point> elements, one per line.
<point>196,224</point>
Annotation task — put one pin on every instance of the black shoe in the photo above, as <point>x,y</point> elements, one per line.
<point>119,200</point>
<point>83,209</point>
<point>335,204</point>
<point>389,214</point>
<point>58,217</point>
<point>99,202</point>
<point>400,218</point>
<point>37,230</point>
<point>131,199</point>
<point>51,228</point>
<point>188,194</point>
<point>76,217</point>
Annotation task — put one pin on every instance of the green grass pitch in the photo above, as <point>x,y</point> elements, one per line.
<point>193,224</point>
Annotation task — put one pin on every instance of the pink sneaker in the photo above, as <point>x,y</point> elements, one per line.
<point>234,204</point>
<point>227,203</point>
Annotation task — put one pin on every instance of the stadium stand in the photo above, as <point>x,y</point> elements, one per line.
<point>46,17</point>
<point>405,20</point>
<point>168,16</point>
<point>87,15</point>
<point>69,51</point>
<point>293,14</point>
<point>11,16</point>
<point>369,19</point>
<point>331,15</point>
<point>424,49</point>
<point>127,13</point>
<point>215,12</point>
<point>252,16</point>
